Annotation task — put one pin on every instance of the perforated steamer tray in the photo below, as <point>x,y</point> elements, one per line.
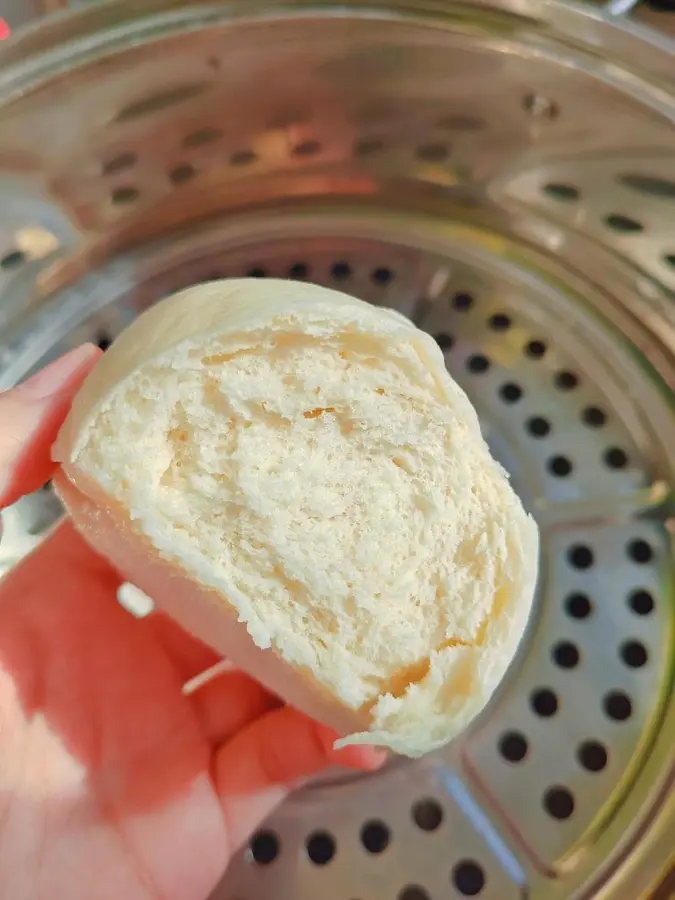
<point>505,175</point>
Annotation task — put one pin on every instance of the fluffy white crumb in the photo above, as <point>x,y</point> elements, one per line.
<point>316,464</point>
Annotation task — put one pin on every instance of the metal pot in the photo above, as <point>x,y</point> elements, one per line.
<point>503,173</point>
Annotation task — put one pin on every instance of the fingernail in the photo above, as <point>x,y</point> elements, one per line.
<point>371,761</point>
<point>378,759</point>
<point>366,759</point>
<point>52,378</point>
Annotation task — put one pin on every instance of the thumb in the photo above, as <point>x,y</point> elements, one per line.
<point>255,770</point>
<point>30,418</point>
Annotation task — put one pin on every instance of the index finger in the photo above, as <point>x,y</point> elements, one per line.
<point>30,418</point>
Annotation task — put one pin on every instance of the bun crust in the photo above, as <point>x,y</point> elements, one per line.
<point>294,477</point>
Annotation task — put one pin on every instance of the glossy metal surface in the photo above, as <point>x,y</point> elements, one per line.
<point>505,176</point>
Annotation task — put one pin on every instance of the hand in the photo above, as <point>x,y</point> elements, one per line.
<point>117,783</point>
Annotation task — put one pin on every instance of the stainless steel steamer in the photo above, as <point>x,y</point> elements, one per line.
<point>502,172</point>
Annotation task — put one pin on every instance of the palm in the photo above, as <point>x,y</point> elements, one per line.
<point>116,782</point>
<point>122,784</point>
<point>112,772</point>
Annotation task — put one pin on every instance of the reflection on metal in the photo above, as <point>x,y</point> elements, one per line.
<point>620,7</point>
